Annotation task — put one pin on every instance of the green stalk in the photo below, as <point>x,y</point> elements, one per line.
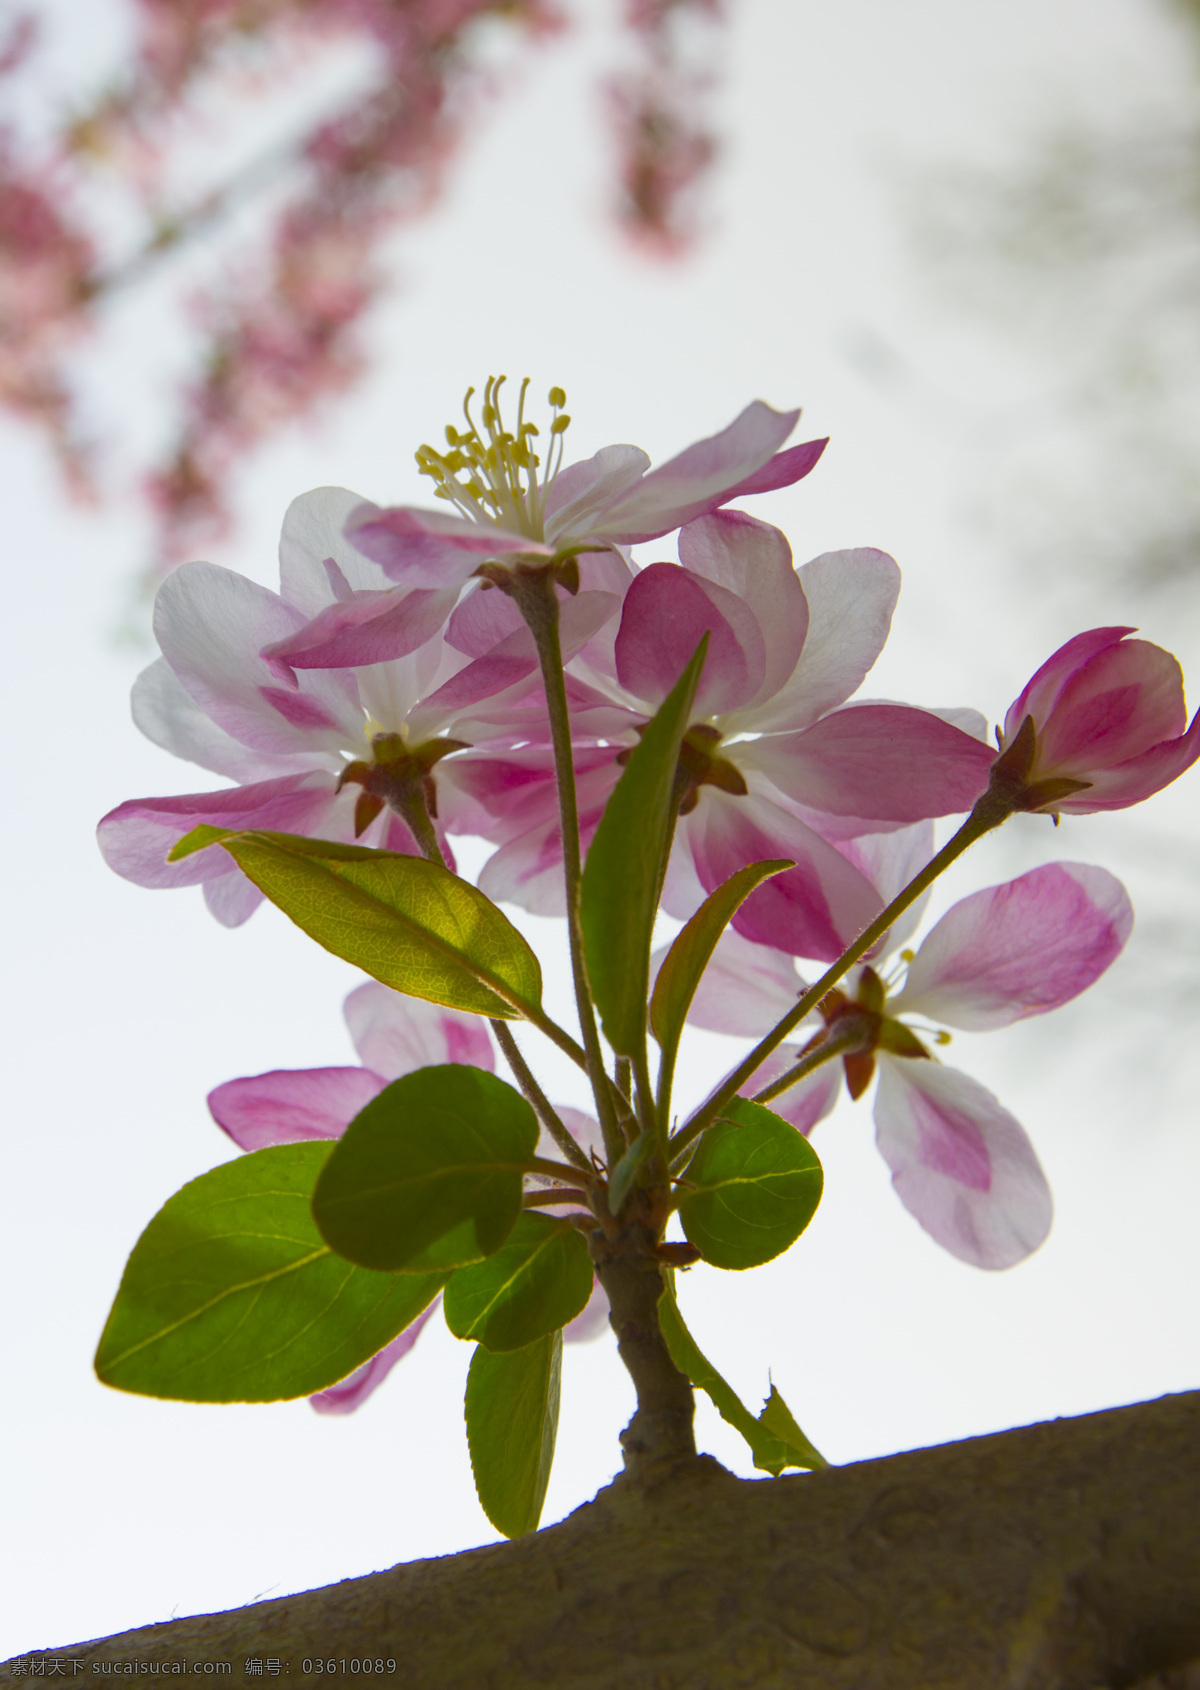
<point>533,593</point>
<point>995,806</point>
<point>410,805</point>
<point>647,1113</point>
<point>831,1045</point>
<point>536,1097</point>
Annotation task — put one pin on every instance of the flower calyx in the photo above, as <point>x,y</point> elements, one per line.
<point>859,1027</point>
<point>1011,785</point>
<point>697,766</point>
<point>396,775</point>
<point>561,570</point>
<point>700,766</point>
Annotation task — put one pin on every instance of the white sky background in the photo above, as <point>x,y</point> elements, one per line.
<point>123,1007</point>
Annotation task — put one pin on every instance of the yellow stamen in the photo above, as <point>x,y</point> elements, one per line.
<point>493,476</point>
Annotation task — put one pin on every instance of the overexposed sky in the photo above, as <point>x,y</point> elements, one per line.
<point>123,1007</point>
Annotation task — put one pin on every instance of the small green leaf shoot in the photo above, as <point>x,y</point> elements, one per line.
<point>773,1444</point>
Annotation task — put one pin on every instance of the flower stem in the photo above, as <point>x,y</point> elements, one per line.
<point>553,1195</point>
<point>993,808</point>
<point>556,1170</point>
<point>830,1045</point>
<point>534,594</point>
<point>411,805</point>
<point>536,1097</point>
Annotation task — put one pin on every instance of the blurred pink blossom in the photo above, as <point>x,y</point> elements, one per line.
<point>660,107</point>
<point>280,328</point>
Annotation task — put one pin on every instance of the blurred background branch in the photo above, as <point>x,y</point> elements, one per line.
<point>278,246</point>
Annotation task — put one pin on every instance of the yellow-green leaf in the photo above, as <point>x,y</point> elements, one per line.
<point>411,924</point>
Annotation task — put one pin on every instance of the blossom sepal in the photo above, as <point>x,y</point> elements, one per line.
<point>1010,773</point>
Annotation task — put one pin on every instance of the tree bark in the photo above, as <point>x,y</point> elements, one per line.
<point>1064,1556</point>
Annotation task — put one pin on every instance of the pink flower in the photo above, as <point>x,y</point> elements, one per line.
<point>220,696</point>
<point>777,768</point>
<point>514,504</point>
<point>393,1035</point>
<point>1107,726</point>
<point>961,1164</point>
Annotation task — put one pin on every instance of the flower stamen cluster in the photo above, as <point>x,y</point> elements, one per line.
<point>494,490</point>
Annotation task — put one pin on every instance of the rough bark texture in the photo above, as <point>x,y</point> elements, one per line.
<point>1064,1556</point>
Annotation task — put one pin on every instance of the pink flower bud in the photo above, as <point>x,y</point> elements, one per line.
<point>1101,725</point>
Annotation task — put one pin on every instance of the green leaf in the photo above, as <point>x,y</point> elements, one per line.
<point>411,924</point>
<point>629,1167</point>
<point>622,877</point>
<point>232,1295</point>
<point>756,1185</point>
<point>692,949</point>
<point>533,1284</point>
<point>199,839</point>
<point>512,1424</point>
<point>775,1442</point>
<point>428,1176</point>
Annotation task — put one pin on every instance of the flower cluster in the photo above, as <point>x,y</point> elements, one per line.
<point>394,692</point>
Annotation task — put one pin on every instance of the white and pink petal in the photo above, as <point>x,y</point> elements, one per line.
<point>813,910</point>
<point>745,989</point>
<point>427,548</point>
<point>803,1105</point>
<point>667,611</point>
<point>317,564</point>
<point>851,597</point>
<point>136,837</point>
<point>579,495</point>
<point>394,1034</point>
<point>212,626</point>
<point>169,717</point>
<point>961,1164</point>
<point>1020,949</point>
<point>1041,693</point>
<point>354,1390</point>
<point>753,560</point>
<point>289,1105</point>
<point>706,475</point>
<point>886,762</point>
<point>367,627</point>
